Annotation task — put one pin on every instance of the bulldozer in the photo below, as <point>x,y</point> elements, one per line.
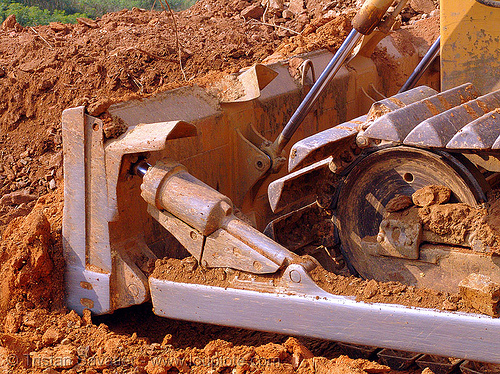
<point>197,176</point>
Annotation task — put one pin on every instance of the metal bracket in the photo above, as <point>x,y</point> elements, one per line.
<point>101,274</point>
<point>399,238</point>
<point>224,250</point>
<point>189,237</point>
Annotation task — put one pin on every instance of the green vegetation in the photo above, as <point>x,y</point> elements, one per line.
<point>41,12</point>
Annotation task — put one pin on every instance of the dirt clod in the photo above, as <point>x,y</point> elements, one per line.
<point>253,11</point>
<point>399,202</point>
<point>481,293</point>
<point>298,351</point>
<point>50,336</point>
<point>430,195</point>
<point>9,23</point>
<point>60,357</point>
<point>371,289</point>
<point>88,22</point>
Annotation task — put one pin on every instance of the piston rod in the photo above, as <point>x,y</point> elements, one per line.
<point>305,107</point>
<point>430,56</point>
<point>365,21</point>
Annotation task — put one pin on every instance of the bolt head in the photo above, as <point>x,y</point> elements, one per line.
<point>295,276</point>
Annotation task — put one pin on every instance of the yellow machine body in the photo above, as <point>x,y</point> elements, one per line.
<point>470,45</point>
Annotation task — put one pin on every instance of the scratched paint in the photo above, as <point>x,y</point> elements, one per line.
<point>470,45</point>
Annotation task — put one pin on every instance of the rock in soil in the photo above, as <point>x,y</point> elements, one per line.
<point>17,198</point>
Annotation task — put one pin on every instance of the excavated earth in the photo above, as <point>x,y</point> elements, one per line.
<point>136,53</point>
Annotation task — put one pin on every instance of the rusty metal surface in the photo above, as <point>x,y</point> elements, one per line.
<point>261,243</point>
<point>496,145</point>
<point>423,65</point>
<point>102,274</point>
<point>297,306</point>
<point>470,50</point>
<point>437,131</point>
<point>224,250</point>
<point>400,237</point>
<point>396,125</point>
<point>187,104</point>
<point>288,229</point>
<point>167,185</point>
<point>480,134</point>
<point>299,187</point>
<point>253,161</point>
<point>323,144</point>
<point>190,238</point>
<point>75,226</point>
<point>330,142</point>
<point>400,100</point>
<point>372,183</point>
<point>370,14</point>
<point>202,219</point>
<point>316,91</point>
<point>253,80</point>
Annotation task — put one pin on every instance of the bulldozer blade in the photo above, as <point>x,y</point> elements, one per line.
<point>395,126</point>
<point>437,131</point>
<point>299,307</point>
<point>479,134</point>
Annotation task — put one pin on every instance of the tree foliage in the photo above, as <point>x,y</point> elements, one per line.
<point>34,15</point>
<point>40,12</point>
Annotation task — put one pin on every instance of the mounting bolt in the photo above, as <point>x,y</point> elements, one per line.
<point>260,165</point>
<point>362,141</point>
<point>295,276</point>
<point>133,289</point>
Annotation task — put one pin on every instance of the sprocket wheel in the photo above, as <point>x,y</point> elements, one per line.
<point>379,177</point>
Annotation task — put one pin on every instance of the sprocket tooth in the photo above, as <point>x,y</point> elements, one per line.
<point>479,134</point>
<point>437,131</point>
<point>396,126</point>
<point>323,144</point>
